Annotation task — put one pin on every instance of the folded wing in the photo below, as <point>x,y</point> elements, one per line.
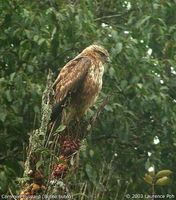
<point>70,77</point>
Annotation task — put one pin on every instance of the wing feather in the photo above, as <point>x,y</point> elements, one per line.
<point>70,76</point>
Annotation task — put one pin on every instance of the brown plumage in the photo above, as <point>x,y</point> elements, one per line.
<point>78,84</point>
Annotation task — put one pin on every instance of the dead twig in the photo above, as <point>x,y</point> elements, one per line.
<point>98,112</point>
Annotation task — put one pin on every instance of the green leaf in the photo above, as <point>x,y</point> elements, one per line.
<point>12,75</point>
<point>30,68</point>
<point>36,38</point>
<point>72,161</point>
<point>91,173</point>
<point>148,179</point>
<point>123,84</point>
<point>111,72</point>
<point>142,21</point>
<point>91,152</point>
<point>39,164</point>
<point>163,181</point>
<point>118,47</point>
<point>163,173</point>
<point>41,41</point>
<point>28,34</point>
<point>60,128</point>
<point>36,109</point>
<point>8,95</point>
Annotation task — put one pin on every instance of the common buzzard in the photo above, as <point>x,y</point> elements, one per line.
<point>78,84</point>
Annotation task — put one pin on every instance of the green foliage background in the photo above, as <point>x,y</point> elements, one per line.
<point>140,36</point>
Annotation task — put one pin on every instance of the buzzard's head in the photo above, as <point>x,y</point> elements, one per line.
<point>99,52</point>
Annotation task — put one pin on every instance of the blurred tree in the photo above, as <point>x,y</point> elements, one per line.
<point>136,130</point>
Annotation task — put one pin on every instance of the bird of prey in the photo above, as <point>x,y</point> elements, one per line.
<point>79,84</point>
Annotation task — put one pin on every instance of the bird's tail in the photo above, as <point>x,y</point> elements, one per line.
<point>55,120</point>
<point>56,112</point>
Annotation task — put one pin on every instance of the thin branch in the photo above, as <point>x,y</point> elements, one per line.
<point>100,109</point>
<point>107,17</point>
<point>12,194</point>
<point>110,16</point>
<point>105,137</point>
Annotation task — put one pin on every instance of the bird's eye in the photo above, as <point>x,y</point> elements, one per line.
<point>102,54</point>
